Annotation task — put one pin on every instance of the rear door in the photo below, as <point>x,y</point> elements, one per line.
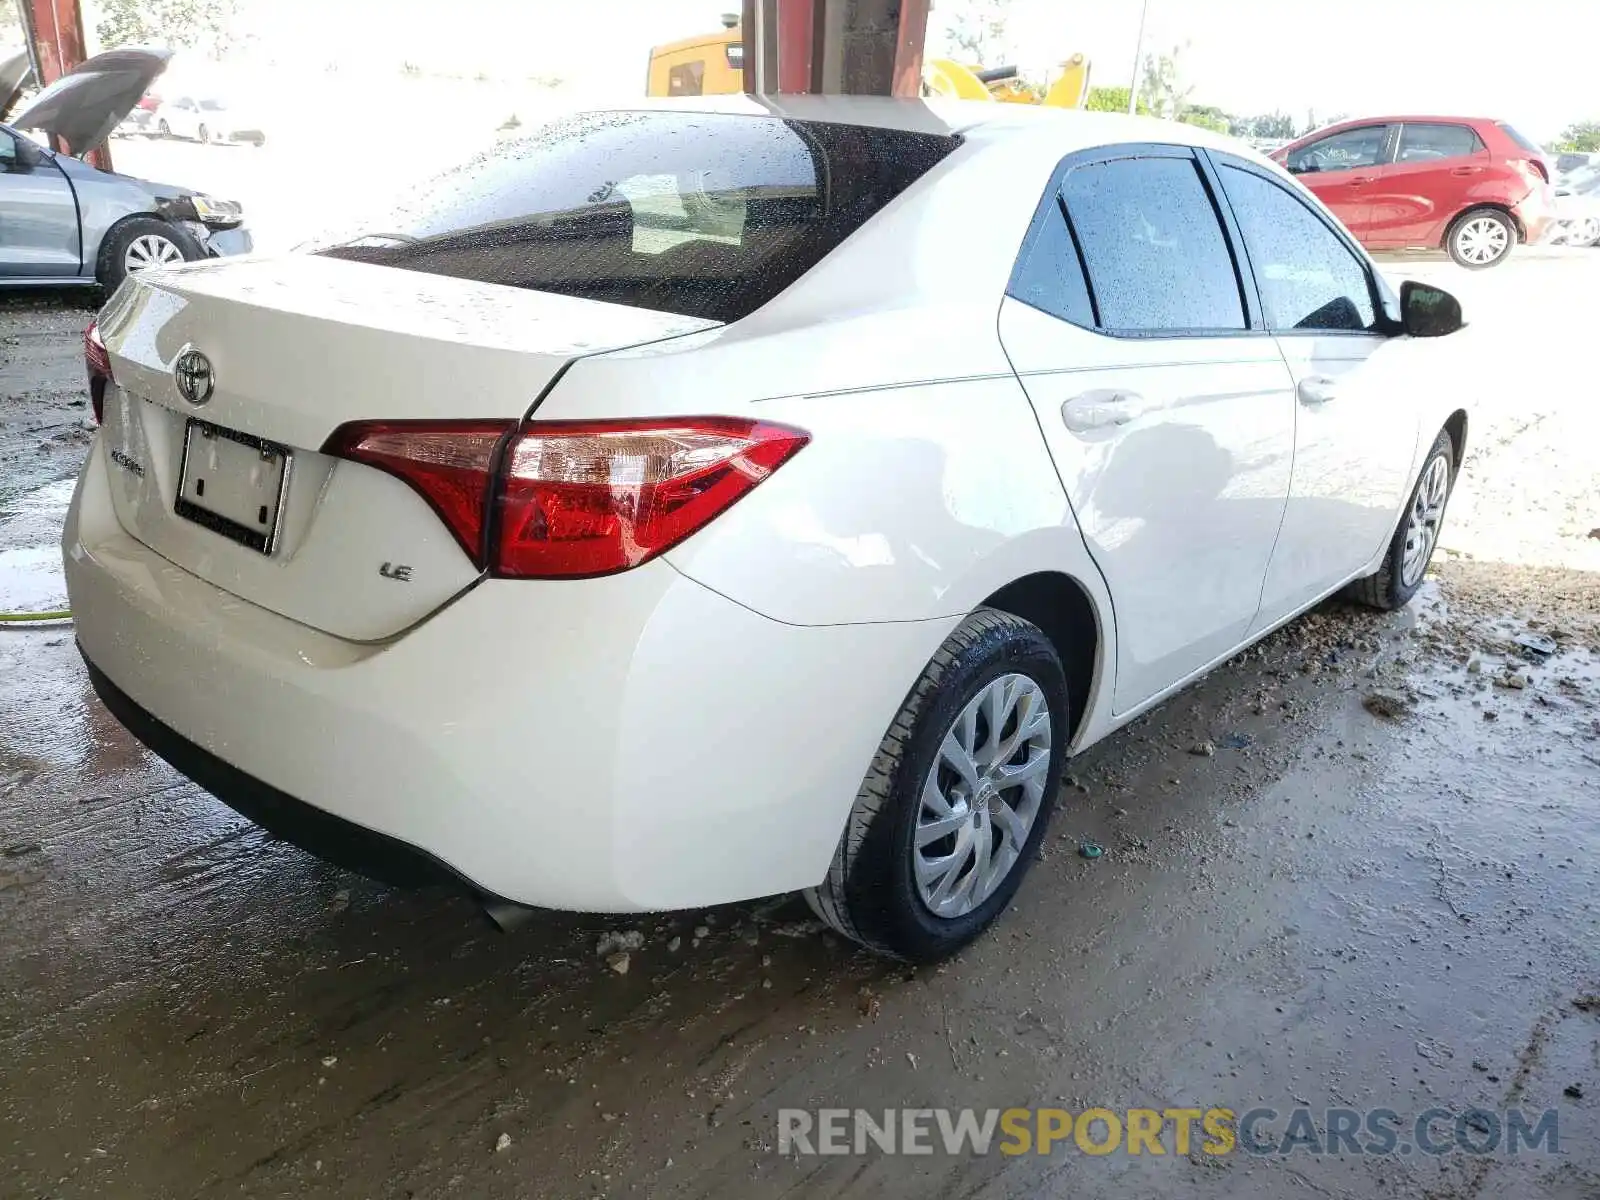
<point>38,214</point>
<point>1436,167</point>
<point>1355,420</point>
<point>1342,169</point>
<point>1170,419</point>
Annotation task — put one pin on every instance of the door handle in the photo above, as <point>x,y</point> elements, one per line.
<point>1316,389</point>
<point>1467,171</point>
<point>1103,408</point>
<point>1360,179</point>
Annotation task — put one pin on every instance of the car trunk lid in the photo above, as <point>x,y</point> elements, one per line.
<point>230,377</point>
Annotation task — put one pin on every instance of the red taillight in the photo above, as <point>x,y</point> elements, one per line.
<point>593,497</point>
<point>575,498</point>
<point>449,463</point>
<point>98,364</point>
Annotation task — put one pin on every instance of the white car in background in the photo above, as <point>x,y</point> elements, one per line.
<point>695,502</point>
<point>207,119</point>
<point>1577,206</point>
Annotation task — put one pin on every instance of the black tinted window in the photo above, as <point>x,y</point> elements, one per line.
<point>1050,277</point>
<point>1424,143</point>
<point>1341,151</point>
<point>1153,246</point>
<point>1308,278</point>
<point>710,215</point>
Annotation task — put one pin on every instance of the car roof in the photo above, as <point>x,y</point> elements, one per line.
<point>1065,129</point>
<point>1404,119</point>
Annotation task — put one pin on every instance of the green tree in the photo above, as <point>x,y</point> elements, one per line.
<point>1275,125</point>
<point>977,34</point>
<point>1581,137</point>
<point>203,25</point>
<point>1111,99</point>
<point>1207,116</point>
<point>1162,87</point>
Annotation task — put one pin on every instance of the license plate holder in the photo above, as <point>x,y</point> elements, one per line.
<point>233,484</point>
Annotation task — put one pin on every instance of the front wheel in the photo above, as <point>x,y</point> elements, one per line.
<point>202,134</point>
<point>1412,546</point>
<point>164,129</point>
<point>951,813</point>
<point>141,244</point>
<point>1481,238</point>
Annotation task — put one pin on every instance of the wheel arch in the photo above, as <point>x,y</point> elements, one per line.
<point>1065,611</point>
<point>1456,426</point>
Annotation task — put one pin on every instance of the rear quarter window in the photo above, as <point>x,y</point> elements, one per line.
<point>1526,143</point>
<point>704,214</point>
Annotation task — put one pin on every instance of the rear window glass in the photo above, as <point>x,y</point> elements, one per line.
<point>1527,144</point>
<point>704,214</point>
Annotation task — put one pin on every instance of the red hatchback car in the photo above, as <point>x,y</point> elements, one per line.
<point>1470,186</point>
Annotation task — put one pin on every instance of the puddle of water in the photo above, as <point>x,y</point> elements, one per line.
<point>35,519</point>
<point>30,550</point>
<point>30,580</point>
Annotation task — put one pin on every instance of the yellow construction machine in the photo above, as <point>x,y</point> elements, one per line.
<point>712,64</point>
<point>948,78</point>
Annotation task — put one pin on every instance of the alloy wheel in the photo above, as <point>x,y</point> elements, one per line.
<point>151,250</point>
<point>1482,240</point>
<point>982,796</point>
<point>1422,526</point>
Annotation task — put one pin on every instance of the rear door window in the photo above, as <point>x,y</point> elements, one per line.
<point>1153,246</point>
<point>1428,143</point>
<point>704,214</point>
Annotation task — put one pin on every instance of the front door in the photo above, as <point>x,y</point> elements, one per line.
<point>1170,424</point>
<point>1342,169</point>
<point>1355,432</point>
<point>38,214</point>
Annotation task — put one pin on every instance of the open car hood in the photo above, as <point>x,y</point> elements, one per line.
<point>15,73</point>
<point>86,104</point>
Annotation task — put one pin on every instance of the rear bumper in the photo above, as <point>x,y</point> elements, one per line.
<point>1537,214</point>
<point>329,837</point>
<point>630,743</point>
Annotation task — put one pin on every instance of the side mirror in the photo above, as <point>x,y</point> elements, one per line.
<point>1427,311</point>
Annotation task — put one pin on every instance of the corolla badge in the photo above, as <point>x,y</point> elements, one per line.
<point>196,380</point>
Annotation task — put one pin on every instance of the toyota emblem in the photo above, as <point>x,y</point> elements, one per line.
<point>196,381</point>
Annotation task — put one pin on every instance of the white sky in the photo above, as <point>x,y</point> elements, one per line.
<point>1527,61</point>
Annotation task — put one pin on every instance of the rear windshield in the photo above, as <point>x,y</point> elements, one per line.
<point>1511,132</point>
<point>704,214</point>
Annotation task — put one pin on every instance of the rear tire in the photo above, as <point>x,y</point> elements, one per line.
<point>1405,564</point>
<point>1481,238</point>
<point>202,134</point>
<point>916,809</point>
<point>164,129</point>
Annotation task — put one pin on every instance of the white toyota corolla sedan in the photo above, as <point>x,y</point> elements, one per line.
<point>693,503</point>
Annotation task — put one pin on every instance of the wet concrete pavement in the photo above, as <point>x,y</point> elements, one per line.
<point>1334,908</point>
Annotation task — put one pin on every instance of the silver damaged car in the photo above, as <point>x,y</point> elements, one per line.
<point>64,221</point>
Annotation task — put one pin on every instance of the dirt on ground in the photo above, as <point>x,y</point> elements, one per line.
<point>1358,867</point>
